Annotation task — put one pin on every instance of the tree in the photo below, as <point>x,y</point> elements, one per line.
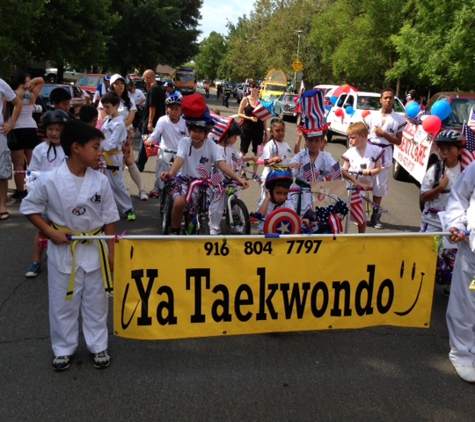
<point>210,57</point>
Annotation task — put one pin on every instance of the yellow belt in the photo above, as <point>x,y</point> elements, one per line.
<point>106,272</point>
<point>107,157</point>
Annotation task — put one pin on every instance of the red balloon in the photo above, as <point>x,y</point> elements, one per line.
<point>432,124</point>
<point>338,112</point>
<point>365,113</point>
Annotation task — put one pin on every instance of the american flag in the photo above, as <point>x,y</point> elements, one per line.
<point>335,171</point>
<point>468,151</point>
<point>202,170</point>
<point>307,172</point>
<point>471,119</point>
<point>356,208</point>
<point>237,161</point>
<point>216,177</point>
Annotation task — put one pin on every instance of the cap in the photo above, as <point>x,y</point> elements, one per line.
<point>115,78</point>
<point>194,106</point>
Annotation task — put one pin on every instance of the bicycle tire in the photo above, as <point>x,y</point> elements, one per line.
<point>239,221</point>
<point>167,213</point>
<point>203,229</point>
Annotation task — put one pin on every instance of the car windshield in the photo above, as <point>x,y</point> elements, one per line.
<point>460,111</point>
<point>368,103</point>
<point>46,90</point>
<point>89,81</point>
<point>185,77</point>
<point>289,98</point>
<point>270,87</point>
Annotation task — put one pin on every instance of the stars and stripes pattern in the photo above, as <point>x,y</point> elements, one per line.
<point>335,171</point>
<point>313,112</point>
<point>221,126</point>
<point>468,151</point>
<point>357,213</point>
<point>201,169</point>
<point>263,111</point>
<point>307,172</point>
<point>216,177</point>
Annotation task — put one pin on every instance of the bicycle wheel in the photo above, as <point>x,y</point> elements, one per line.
<point>203,228</point>
<point>238,222</point>
<point>167,213</point>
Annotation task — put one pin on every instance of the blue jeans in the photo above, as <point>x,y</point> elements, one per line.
<point>142,158</point>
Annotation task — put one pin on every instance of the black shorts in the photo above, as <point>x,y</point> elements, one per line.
<point>23,139</point>
<point>252,136</point>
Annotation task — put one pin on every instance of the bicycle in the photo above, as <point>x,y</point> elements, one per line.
<point>236,214</point>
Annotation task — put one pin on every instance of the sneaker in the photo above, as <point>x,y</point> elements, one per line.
<point>143,195</point>
<point>60,363</point>
<point>34,270</point>
<point>376,221</point>
<point>466,372</point>
<point>446,291</point>
<point>130,215</point>
<point>154,194</point>
<point>19,194</point>
<point>102,359</point>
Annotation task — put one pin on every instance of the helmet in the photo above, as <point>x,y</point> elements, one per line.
<point>173,99</point>
<point>277,175</point>
<point>54,116</point>
<point>451,136</point>
<point>169,85</point>
<point>199,124</point>
<point>234,129</point>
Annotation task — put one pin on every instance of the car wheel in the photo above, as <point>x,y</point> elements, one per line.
<point>281,114</point>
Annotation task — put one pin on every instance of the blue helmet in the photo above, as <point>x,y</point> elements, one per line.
<point>173,99</point>
<point>279,175</point>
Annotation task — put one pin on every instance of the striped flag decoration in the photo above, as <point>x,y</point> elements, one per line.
<point>468,151</point>
<point>335,171</point>
<point>313,112</point>
<point>237,161</point>
<point>216,177</point>
<point>263,110</point>
<point>307,172</point>
<point>221,125</point>
<point>356,208</point>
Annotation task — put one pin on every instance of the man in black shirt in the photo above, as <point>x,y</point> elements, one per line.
<point>154,108</point>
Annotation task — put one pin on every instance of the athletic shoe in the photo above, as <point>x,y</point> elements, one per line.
<point>34,270</point>
<point>376,221</point>
<point>60,363</point>
<point>446,291</point>
<point>143,195</point>
<point>154,194</point>
<point>102,359</point>
<point>19,194</point>
<point>466,372</point>
<point>130,214</point>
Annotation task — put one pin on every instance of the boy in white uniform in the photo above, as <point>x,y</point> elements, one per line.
<point>460,216</point>
<point>115,134</point>
<point>79,201</point>
<point>385,130</point>
<point>46,157</point>
<point>171,128</point>
<point>362,157</point>
<point>196,154</point>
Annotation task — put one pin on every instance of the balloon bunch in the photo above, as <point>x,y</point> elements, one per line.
<point>431,124</point>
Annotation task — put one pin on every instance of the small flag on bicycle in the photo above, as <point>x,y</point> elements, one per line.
<point>216,177</point>
<point>335,171</point>
<point>202,170</point>
<point>357,213</point>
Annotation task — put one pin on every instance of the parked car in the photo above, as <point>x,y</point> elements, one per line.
<point>284,106</point>
<point>360,101</point>
<point>69,75</point>
<point>162,81</point>
<point>89,82</point>
<point>241,91</point>
<point>417,152</point>
<point>78,96</point>
<point>202,84</point>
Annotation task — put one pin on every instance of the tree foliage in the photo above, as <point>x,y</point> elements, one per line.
<point>210,57</point>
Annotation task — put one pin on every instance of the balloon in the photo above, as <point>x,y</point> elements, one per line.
<point>339,112</point>
<point>365,113</point>
<point>432,124</point>
<point>412,109</point>
<point>441,109</point>
<point>350,110</point>
<point>333,99</point>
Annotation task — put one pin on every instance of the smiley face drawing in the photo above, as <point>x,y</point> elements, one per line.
<point>413,275</point>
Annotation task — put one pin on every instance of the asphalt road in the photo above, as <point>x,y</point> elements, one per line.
<point>377,374</point>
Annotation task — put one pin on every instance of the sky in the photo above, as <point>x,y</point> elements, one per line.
<point>216,13</point>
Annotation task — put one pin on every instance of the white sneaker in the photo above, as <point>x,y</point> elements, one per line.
<point>143,195</point>
<point>466,372</point>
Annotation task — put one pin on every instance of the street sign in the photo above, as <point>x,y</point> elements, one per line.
<point>297,65</point>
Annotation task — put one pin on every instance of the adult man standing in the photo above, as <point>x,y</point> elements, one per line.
<point>5,157</point>
<point>154,108</point>
<point>385,130</point>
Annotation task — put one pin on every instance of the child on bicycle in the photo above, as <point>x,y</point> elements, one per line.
<point>277,186</point>
<point>435,191</point>
<point>171,128</point>
<point>196,155</point>
<point>364,159</point>
<point>276,150</point>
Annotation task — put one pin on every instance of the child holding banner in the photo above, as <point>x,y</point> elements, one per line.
<point>80,203</point>
<point>460,216</point>
<point>365,159</point>
<point>196,155</point>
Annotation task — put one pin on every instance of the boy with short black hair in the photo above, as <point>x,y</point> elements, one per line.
<point>88,114</point>
<point>115,134</point>
<point>80,202</point>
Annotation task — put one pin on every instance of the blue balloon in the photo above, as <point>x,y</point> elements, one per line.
<point>441,109</point>
<point>333,99</point>
<point>350,110</point>
<point>412,109</point>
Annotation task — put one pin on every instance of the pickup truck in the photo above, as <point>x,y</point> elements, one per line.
<point>417,152</point>
<point>360,101</point>
<point>51,75</point>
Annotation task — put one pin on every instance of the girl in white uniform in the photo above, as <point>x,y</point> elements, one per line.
<point>79,200</point>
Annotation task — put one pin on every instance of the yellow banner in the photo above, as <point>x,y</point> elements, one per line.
<point>187,287</point>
